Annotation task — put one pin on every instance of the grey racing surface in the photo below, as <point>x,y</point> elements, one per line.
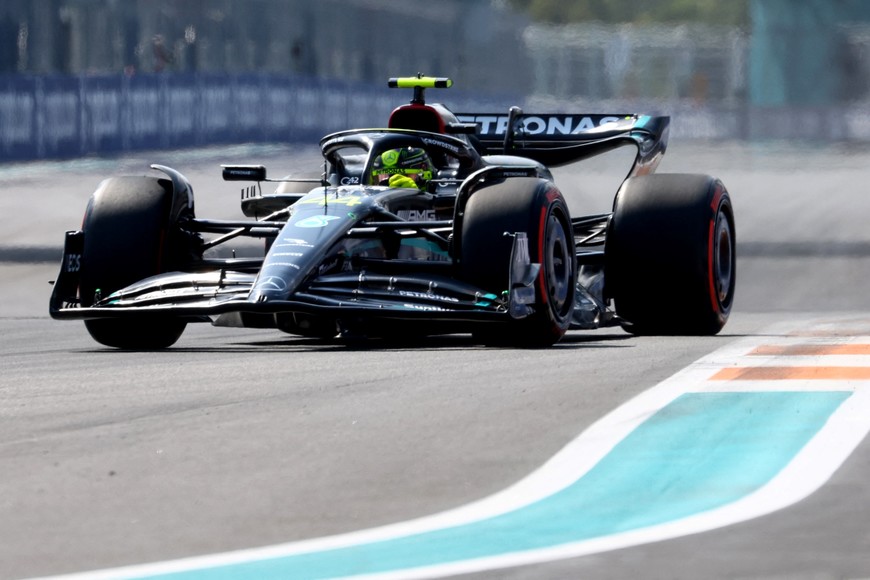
<point>239,438</point>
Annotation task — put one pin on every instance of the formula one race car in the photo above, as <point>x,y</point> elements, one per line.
<point>439,223</point>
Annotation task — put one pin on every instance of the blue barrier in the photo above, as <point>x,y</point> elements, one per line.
<point>62,116</point>
<point>50,117</point>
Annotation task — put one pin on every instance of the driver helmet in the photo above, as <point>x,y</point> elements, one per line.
<point>412,162</point>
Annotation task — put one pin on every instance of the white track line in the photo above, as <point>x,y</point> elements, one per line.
<point>810,469</point>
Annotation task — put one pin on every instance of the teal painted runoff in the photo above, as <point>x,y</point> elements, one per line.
<point>700,452</point>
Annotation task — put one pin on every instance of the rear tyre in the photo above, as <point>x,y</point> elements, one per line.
<point>670,255</point>
<point>536,207</point>
<point>129,235</point>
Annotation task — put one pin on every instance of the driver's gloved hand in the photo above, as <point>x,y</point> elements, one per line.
<point>399,180</point>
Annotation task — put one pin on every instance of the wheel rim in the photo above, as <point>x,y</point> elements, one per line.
<point>723,258</point>
<point>558,271</point>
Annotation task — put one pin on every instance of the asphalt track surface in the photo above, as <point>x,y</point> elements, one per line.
<point>237,438</point>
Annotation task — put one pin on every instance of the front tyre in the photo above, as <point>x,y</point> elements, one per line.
<point>130,234</point>
<point>670,255</point>
<point>536,207</point>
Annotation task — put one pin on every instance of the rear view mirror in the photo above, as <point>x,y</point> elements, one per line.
<point>244,173</point>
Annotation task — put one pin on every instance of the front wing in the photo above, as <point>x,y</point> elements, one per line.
<point>210,296</point>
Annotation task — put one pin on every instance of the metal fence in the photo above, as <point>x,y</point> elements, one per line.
<point>698,63</point>
<point>475,42</point>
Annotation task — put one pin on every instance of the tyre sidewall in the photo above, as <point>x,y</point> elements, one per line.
<point>519,205</point>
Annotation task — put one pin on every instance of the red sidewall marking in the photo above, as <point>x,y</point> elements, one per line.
<point>711,279</point>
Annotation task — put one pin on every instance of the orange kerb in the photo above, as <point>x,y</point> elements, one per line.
<point>812,349</point>
<point>791,373</point>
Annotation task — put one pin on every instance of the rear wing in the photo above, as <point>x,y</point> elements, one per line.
<point>559,139</point>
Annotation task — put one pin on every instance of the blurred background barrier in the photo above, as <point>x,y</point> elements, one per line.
<point>80,77</point>
<point>66,116</point>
